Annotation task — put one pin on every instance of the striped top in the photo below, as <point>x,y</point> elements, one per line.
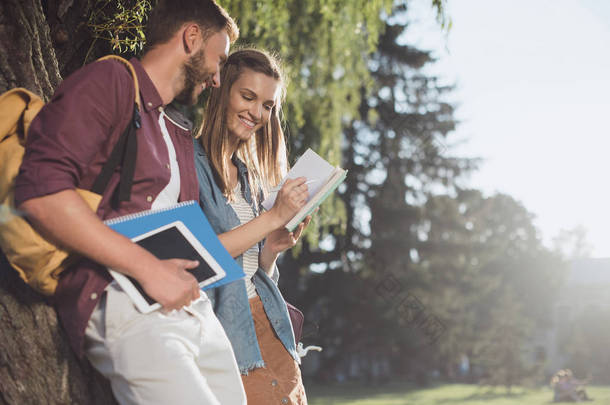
<point>245,214</point>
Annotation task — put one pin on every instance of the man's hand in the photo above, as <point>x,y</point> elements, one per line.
<point>171,285</point>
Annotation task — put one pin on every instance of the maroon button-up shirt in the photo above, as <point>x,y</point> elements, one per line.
<point>68,143</point>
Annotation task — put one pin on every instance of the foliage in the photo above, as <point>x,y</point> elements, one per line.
<point>441,16</point>
<point>395,151</point>
<point>572,243</point>
<point>489,278</point>
<point>324,45</point>
<point>474,262</point>
<point>121,23</point>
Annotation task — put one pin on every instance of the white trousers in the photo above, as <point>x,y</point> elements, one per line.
<point>176,358</point>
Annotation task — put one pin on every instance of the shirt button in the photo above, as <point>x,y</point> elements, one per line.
<point>149,104</point>
<point>160,109</point>
<point>284,400</point>
<point>149,198</point>
<point>167,166</point>
<point>93,296</point>
<point>273,383</point>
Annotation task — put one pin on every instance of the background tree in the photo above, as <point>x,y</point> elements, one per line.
<point>491,281</point>
<point>572,243</point>
<point>394,151</point>
<point>415,235</point>
<point>37,365</point>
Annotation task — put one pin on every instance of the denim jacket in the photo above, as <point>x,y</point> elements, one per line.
<point>230,301</point>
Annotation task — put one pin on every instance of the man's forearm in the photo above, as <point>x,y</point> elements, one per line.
<point>68,220</point>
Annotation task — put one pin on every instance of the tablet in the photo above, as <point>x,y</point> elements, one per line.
<point>171,241</point>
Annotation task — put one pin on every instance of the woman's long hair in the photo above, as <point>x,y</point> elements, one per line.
<point>265,153</point>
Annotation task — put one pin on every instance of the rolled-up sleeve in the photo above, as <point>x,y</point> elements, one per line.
<point>74,129</point>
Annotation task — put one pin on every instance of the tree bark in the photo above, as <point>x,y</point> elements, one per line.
<point>37,365</point>
<point>27,57</point>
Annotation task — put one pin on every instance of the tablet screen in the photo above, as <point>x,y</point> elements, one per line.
<point>170,243</point>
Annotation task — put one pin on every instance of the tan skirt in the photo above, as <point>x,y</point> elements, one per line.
<point>279,382</point>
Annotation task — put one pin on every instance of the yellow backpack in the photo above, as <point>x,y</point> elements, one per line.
<point>38,261</point>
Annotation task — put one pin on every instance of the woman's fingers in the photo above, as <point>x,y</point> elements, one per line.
<point>298,200</point>
<point>296,234</point>
<point>297,191</point>
<point>289,192</point>
<point>307,220</point>
<point>297,186</point>
<point>291,184</point>
<point>291,198</point>
<point>302,192</point>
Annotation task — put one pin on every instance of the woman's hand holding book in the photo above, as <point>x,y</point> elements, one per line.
<point>290,199</point>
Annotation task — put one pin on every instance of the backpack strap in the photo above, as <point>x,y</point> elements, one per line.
<point>131,69</point>
<point>125,151</point>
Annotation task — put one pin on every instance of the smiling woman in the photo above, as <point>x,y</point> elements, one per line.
<point>252,92</point>
<point>251,100</point>
<point>239,158</point>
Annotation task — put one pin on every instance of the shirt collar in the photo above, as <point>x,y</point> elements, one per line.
<point>151,99</point>
<point>174,113</point>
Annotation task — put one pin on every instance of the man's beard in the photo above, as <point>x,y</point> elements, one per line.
<point>194,76</point>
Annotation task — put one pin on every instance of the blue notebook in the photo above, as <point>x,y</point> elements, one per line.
<point>182,232</point>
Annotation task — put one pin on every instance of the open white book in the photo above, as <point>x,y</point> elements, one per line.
<point>322,180</point>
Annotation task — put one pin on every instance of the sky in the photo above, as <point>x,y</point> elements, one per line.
<point>533,81</point>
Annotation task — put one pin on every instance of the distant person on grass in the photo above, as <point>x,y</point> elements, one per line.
<point>567,388</point>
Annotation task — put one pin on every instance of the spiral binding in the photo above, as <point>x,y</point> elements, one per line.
<point>141,214</point>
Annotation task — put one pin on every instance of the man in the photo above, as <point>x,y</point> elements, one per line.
<point>179,355</point>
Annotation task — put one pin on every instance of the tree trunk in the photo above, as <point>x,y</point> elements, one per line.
<point>37,365</point>
<point>27,57</point>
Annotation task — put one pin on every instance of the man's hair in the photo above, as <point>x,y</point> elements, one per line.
<point>168,16</point>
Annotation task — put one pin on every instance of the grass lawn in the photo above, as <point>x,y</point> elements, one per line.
<point>454,394</point>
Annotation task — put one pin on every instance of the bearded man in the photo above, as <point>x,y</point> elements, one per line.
<point>179,355</point>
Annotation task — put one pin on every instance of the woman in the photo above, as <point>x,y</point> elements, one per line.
<point>239,157</point>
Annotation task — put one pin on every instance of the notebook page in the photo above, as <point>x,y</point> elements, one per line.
<point>330,186</point>
<point>309,165</point>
